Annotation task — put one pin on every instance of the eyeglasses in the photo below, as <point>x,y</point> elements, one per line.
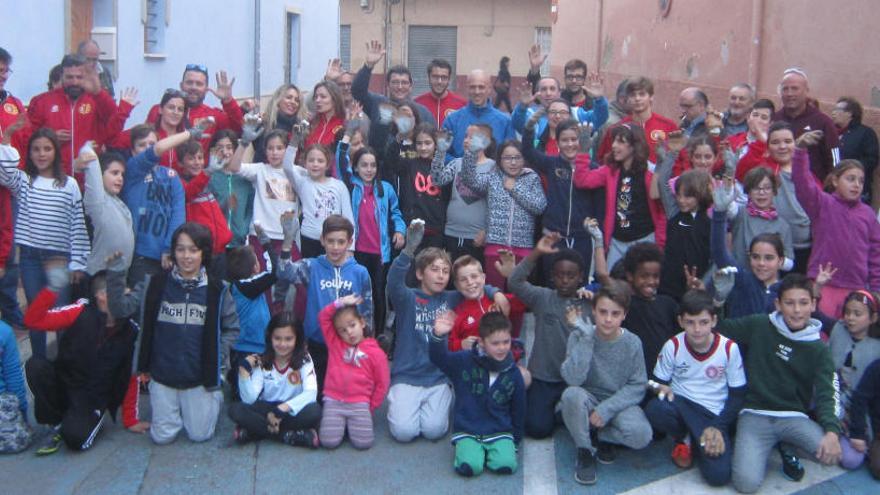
<point>763,189</point>
<point>399,84</point>
<point>575,77</point>
<point>197,67</point>
<point>558,113</point>
<point>512,159</point>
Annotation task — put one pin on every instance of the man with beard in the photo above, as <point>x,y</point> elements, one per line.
<point>740,101</point>
<point>194,85</point>
<point>439,100</point>
<point>79,111</point>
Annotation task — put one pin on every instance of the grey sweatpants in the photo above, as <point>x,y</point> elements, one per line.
<point>414,411</point>
<point>194,409</point>
<point>757,435</point>
<point>629,427</point>
<point>617,250</point>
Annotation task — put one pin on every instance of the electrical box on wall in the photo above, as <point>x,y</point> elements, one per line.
<point>106,39</point>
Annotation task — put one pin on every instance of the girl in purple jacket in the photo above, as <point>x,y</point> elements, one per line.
<point>845,230</point>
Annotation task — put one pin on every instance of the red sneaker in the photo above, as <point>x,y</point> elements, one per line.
<point>681,455</point>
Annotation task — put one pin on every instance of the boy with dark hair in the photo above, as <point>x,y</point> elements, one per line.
<point>248,286</point>
<point>551,334</point>
<point>606,381</point>
<point>652,316</point>
<point>490,402</point>
<point>419,398</point>
<point>327,278</point>
<point>700,384</point>
<point>791,373</point>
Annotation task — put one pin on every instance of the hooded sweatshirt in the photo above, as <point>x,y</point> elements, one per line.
<point>326,283</point>
<point>790,372</point>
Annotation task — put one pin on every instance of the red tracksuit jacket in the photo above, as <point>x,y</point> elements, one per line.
<point>202,207</point>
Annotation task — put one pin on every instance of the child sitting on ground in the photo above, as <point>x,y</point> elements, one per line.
<point>279,390</point>
<point>490,404</point>
<point>15,435</point>
<point>357,375</point>
<point>420,397</point>
<point>865,410</point>
<point>700,386</point>
<point>791,373</point>
<point>606,380</point>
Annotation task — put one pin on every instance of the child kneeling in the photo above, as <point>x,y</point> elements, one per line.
<point>490,396</point>
<point>279,390</point>
<point>700,385</point>
<point>605,371</point>
<point>357,375</point>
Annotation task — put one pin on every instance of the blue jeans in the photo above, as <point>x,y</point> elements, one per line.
<point>541,400</point>
<point>684,417</point>
<point>33,278</point>
<point>9,308</point>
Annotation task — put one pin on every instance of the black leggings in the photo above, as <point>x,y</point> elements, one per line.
<point>253,418</point>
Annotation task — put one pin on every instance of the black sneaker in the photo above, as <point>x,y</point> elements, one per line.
<point>585,467</point>
<point>301,438</point>
<point>51,443</point>
<point>606,453</point>
<point>240,435</point>
<point>791,465</point>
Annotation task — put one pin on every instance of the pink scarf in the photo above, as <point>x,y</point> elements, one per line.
<point>753,211</point>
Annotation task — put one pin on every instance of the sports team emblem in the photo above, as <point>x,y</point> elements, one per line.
<point>658,135</point>
<point>85,108</point>
<point>10,109</point>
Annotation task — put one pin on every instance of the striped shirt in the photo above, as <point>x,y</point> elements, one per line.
<point>50,216</point>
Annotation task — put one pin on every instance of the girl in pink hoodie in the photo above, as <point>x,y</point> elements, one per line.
<point>845,231</point>
<point>357,375</point>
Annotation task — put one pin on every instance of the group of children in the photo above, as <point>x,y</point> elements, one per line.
<point>281,280</point>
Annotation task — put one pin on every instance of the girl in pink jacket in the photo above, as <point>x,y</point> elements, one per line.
<point>357,375</point>
<point>845,231</point>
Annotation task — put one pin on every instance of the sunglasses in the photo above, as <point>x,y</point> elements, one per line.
<point>198,68</point>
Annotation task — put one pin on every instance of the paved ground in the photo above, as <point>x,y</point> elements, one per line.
<point>124,463</point>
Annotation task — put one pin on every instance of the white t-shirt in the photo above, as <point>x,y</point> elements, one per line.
<point>274,196</point>
<point>319,200</point>
<point>297,387</point>
<point>704,378</point>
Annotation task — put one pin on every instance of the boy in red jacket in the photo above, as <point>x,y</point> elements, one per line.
<point>470,280</point>
<point>201,206</point>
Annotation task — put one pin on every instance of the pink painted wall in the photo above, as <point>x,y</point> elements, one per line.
<point>715,43</point>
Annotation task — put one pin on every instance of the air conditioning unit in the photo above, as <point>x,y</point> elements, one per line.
<point>105,37</point>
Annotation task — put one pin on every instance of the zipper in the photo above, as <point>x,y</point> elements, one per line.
<point>510,222</point>
<point>72,134</point>
<point>570,199</point>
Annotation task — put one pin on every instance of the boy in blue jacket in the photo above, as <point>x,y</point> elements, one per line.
<point>490,405</point>
<point>420,397</point>
<point>327,278</point>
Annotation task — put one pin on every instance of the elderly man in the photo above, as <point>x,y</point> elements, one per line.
<point>803,113</point>
<point>479,110</point>
<point>439,100</point>
<point>693,102</point>
<point>739,104</point>
<point>90,51</point>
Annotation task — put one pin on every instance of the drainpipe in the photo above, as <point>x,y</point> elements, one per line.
<point>756,43</point>
<point>599,44</point>
<point>257,51</point>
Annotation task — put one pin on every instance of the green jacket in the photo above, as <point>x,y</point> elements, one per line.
<point>787,370</point>
<point>239,211</point>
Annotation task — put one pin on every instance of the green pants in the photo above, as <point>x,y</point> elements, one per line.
<point>498,455</point>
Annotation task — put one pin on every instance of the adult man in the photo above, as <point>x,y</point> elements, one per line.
<point>640,99</point>
<point>79,111</point>
<point>90,51</point>
<point>10,110</point>
<point>739,104</point>
<point>693,102</point>
<point>803,113</point>
<point>479,110</point>
<point>548,91</point>
<point>194,85</point>
<point>398,80</point>
<point>575,75</point>
<point>342,78</point>
<point>439,100</point>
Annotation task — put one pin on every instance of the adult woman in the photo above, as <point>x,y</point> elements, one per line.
<point>329,115</point>
<point>859,142</point>
<point>283,111</point>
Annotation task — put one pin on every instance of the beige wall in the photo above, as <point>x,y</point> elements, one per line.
<point>714,43</point>
<point>487,29</point>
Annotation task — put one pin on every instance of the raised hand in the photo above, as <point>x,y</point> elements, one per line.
<point>536,116</point>
<point>591,225</point>
<point>572,315</point>
<point>585,137</point>
<point>350,300</point>
<point>809,138</point>
<point>224,87</point>
<point>86,156</point>
<point>478,142</point>
<point>20,122</point>
<point>536,57</point>
<point>526,97</point>
<point>334,69</point>
<point>595,86</point>
<point>723,195</point>
<point>546,244</point>
<point>444,140</point>
<point>386,113</point>
<point>728,158</point>
<point>714,121</point>
<point>299,132</point>
<point>290,227</point>
<point>197,131</point>
<point>375,52</point>
<point>676,141</point>
<point>251,128</point>
<point>692,281</point>
<point>414,234</point>
<point>130,96</point>
<point>506,262</point>
<point>723,280</point>
<point>444,323</point>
